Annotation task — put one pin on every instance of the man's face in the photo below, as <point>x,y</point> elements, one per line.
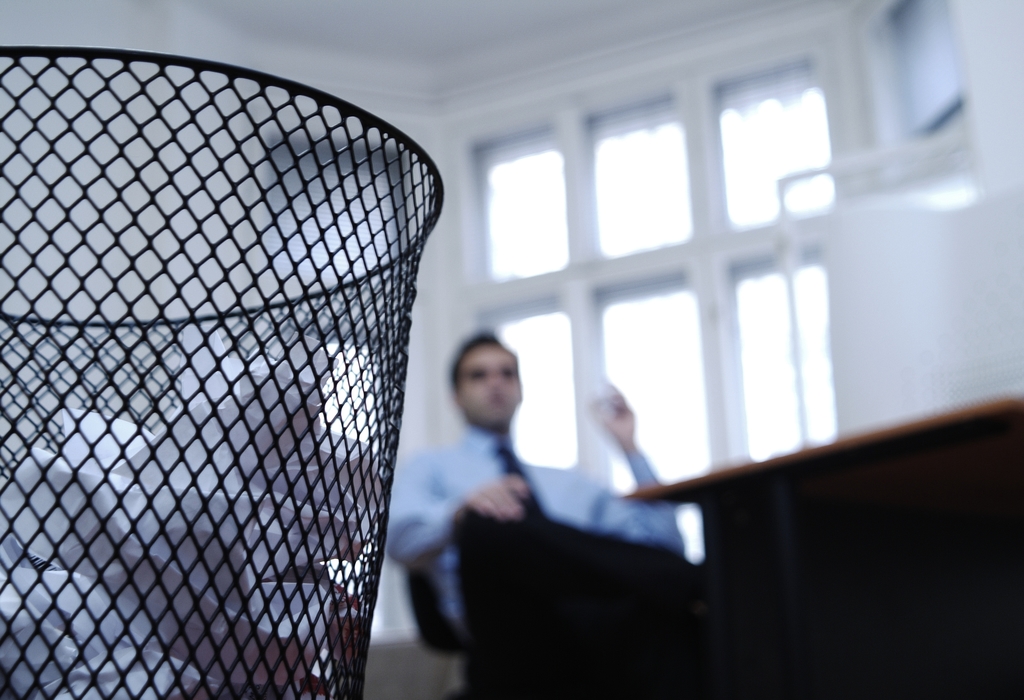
<point>488,389</point>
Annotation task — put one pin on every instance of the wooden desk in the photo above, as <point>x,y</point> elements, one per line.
<point>887,565</point>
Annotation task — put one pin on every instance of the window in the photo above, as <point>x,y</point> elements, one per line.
<point>634,320</point>
<point>786,402</point>
<point>641,180</point>
<point>652,353</point>
<point>769,377</point>
<point>651,330</point>
<point>721,360</point>
<point>525,208</point>
<point>926,64</point>
<point>545,426</point>
<point>810,287</point>
<point>772,125</point>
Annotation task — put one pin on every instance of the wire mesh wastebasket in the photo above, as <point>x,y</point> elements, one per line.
<point>206,276</point>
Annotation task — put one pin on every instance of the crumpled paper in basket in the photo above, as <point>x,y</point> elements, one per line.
<point>186,564</point>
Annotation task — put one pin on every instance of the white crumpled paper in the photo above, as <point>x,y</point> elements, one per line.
<point>179,564</point>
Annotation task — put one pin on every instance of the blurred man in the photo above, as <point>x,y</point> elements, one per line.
<point>557,588</point>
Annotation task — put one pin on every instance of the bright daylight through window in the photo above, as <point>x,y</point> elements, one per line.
<point>770,380</point>
<point>649,328</point>
<point>641,181</point>
<point>545,427</point>
<point>652,353</point>
<point>774,125</point>
<point>525,204</point>
<point>810,287</point>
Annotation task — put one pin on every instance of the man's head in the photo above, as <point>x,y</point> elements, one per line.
<point>485,379</point>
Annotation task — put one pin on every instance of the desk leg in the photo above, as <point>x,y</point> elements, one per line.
<point>787,539</point>
<point>716,632</point>
<point>754,636</point>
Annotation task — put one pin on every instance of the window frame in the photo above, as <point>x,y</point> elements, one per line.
<point>638,290</point>
<point>789,63</point>
<point>703,260</point>
<point>487,154</point>
<point>647,114</point>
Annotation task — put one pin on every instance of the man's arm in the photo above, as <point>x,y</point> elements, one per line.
<point>642,522</point>
<point>421,520</point>
<point>424,517</point>
<point>619,421</point>
<point>501,500</point>
<point>637,521</point>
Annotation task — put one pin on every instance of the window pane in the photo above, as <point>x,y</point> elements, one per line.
<point>526,215</point>
<point>643,190</point>
<point>652,352</point>
<point>926,62</point>
<point>766,358</point>
<point>767,139</point>
<point>545,427</point>
<point>810,195</point>
<point>811,289</point>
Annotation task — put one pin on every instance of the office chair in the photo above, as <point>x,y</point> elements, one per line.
<point>434,628</point>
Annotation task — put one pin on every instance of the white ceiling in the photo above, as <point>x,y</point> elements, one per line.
<point>438,33</point>
<point>445,30</point>
<point>423,47</point>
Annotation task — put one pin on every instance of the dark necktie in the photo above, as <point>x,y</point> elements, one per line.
<point>511,465</point>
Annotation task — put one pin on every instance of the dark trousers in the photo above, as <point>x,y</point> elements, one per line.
<point>559,613</point>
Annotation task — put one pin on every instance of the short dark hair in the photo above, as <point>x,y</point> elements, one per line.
<point>469,345</point>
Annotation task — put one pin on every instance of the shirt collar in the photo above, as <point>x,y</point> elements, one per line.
<point>483,440</point>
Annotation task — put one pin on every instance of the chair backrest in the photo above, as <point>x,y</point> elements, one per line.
<point>434,628</point>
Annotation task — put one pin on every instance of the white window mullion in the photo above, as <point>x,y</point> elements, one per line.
<point>571,138</point>
<point>693,107</point>
<point>811,292</point>
<point>709,273</point>
<point>577,299</point>
<point>702,279</point>
<point>790,264</point>
<point>713,172</point>
<point>730,373</point>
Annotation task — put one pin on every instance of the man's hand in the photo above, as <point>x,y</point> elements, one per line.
<point>618,419</point>
<point>501,500</point>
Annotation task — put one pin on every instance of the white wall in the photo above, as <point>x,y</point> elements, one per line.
<point>927,306</point>
<point>188,29</point>
<point>886,269</point>
<point>993,53</point>
<point>927,309</point>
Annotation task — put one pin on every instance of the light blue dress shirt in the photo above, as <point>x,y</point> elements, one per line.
<point>435,484</point>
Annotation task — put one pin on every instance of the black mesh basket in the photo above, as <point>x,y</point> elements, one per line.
<point>206,276</point>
